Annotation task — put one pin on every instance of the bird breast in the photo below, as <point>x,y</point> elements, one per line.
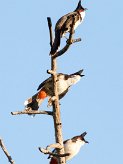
<point>65,84</point>
<point>72,148</point>
<point>62,86</point>
<point>82,15</point>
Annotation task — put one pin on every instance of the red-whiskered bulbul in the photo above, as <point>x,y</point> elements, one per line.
<point>64,24</point>
<point>45,89</point>
<point>72,147</point>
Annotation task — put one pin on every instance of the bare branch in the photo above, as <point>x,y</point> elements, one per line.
<point>51,100</point>
<point>55,146</point>
<point>50,30</point>
<point>76,40</point>
<point>6,152</point>
<point>45,151</point>
<point>32,112</point>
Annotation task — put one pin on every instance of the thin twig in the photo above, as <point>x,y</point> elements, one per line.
<point>6,152</point>
<point>77,40</point>
<point>32,112</point>
<point>51,72</point>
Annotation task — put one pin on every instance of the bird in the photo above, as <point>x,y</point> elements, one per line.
<point>64,25</point>
<point>45,89</point>
<point>71,147</point>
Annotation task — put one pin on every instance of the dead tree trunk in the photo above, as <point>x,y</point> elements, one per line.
<point>56,106</point>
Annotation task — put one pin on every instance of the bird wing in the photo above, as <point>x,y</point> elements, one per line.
<point>68,23</point>
<point>63,93</point>
<point>47,81</point>
<point>63,19</point>
<point>43,83</point>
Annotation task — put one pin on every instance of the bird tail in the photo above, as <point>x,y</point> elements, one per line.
<point>35,101</point>
<point>53,161</point>
<point>56,43</point>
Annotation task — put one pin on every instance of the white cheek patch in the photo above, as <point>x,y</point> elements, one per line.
<point>82,15</point>
<point>75,79</point>
<point>80,21</point>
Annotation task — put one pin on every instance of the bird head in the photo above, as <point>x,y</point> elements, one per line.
<point>80,139</point>
<point>80,7</point>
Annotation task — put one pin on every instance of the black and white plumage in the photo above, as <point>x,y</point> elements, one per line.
<point>45,89</point>
<point>72,147</point>
<point>64,24</point>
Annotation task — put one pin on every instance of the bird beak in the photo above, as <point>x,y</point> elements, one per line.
<point>86,141</point>
<point>82,75</point>
<point>83,135</point>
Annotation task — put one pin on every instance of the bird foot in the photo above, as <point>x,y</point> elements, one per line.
<point>69,41</point>
<point>50,101</point>
<point>28,109</point>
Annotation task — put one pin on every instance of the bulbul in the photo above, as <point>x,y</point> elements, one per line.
<point>72,147</point>
<point>64,25</point>
<point>45,89</point>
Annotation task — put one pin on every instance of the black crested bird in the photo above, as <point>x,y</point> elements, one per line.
<point>45,89</point>
<point>72,147</point>
<point>64,24</point>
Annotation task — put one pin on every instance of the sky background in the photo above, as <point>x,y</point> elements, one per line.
<point>95,104</point>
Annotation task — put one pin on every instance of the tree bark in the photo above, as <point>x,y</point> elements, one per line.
<point>56,113</point>
<point>55,103</point>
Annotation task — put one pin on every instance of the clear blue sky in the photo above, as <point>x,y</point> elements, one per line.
<point>94,105</point>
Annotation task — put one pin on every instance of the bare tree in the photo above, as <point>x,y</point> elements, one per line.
<point>55,99</point>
